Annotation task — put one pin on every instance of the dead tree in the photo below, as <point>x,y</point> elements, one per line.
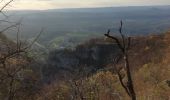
<point>124,43</point>
<point>9,72</point>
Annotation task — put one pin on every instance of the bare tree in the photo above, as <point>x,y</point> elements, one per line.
<point>10,70</point>
<point>124,45</point>
<point>14,52</point>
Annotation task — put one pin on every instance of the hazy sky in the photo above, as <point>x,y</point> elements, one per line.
<point>52,4</point>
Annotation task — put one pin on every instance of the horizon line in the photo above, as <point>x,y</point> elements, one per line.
<point>85,8</point>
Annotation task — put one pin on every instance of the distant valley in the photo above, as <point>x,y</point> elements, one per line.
<point>68,27</point>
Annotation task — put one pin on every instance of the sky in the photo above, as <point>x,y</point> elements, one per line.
<point>55,4</point>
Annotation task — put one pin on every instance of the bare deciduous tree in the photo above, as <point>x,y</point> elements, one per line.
<point>124,45</point>
<point>13,60</point>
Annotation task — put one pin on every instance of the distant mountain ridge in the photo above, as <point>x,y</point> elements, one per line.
<point>83,23</point>
<point>98,8</point>
<point>111,9</point>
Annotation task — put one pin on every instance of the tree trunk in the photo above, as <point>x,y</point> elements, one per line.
<point>129,76</point>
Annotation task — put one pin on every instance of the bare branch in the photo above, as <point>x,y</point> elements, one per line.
<point>6,5</point>
<point>116,39</point>
<point>129,43</point>
<point>35,39</point>
<point>18,39</point>
<point>124,47</point>
<point>1,1</point>
<point>5,21</point>
<point>15,25</point>
<point>115,62</point>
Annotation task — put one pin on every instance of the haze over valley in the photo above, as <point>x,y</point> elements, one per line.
<point>67,27</point>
